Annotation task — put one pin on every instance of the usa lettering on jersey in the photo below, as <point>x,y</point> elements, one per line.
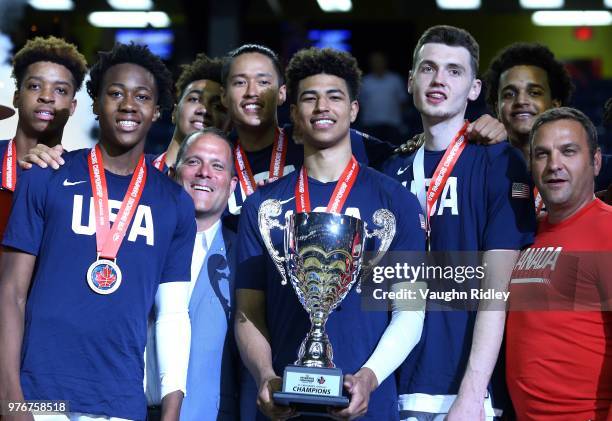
<point>141,226</point>
<point>448,198</point>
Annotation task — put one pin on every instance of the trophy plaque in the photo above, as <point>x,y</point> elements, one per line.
<point>323,259</point>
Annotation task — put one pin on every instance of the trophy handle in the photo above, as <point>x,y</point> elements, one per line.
<point>384,219</point>
<point>266,219</point>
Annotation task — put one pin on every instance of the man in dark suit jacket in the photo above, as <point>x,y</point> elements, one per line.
<point>204,166</point>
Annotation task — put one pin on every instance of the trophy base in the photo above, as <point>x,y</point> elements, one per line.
<point>310,405</point>
<point>311,390</point>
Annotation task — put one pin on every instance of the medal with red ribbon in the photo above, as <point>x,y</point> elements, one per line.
<point>440,176</point>
<point>341,191</point>
<point>104,275</point>
<point>9,167</point>
<point>160,161</point>
<point>277,163</point>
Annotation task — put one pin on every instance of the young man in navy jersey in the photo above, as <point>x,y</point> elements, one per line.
<point>480,201</point>
<point>48,72</point>
<point>271,323</point>
<point>75,291</point>
<point>253,88</point>
<point>198,93</point>
<point>523,81</point>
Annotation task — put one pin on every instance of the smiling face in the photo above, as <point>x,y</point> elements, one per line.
<point>206,174</point>
<point>562,166</point>
<point>524,93</point>
<point>200,107</point>
<point>45,98</point>
<point>442,82</point>
<point>252,93</point>
<point>126,105</point>
<point>324,111</point>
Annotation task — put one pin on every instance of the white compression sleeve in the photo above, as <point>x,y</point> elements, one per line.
<point>173,336</point>
<point>400,337</point>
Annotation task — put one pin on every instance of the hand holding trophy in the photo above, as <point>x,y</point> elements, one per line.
<point>323,259</point>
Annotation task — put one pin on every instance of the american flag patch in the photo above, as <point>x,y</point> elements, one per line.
<point>422,219</point>
<point>520,191</point>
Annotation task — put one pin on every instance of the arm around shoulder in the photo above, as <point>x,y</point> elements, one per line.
<point>43,156</point>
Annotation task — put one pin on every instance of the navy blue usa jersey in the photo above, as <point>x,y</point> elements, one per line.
<point>486,204</point>
<point>353,333</point>
<point>80,346</point>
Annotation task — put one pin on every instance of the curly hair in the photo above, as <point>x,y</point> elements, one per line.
<point>135,54</point>
<point>313,61</point>
<point>529,54</point>
<point>53,49</point>
<point>251,48</point>
<point>203,67</point>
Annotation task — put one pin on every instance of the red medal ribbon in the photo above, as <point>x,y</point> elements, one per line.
<point>341,191</point>
<point>444,170</point>
<point>160,161</point>
<point>539,203</point>
<point>277,163</point>
<point>279,151</point>
<point>9,167</point>
<point>108,240</point>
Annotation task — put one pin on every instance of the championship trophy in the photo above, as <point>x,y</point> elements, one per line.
<point>323,259</point>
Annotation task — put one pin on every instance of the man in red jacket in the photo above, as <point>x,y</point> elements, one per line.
<point>558,345</point>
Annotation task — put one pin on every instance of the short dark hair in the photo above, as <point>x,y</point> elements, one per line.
<point>55,50</point>
<point>453,37</point>
<point>529,54</point>
<point>607,117</point>
<point>313,61</point>
<point>251,48</point>
<point>134,54</point>
<point>203,67</point>
<point>180,156</point>
<point>567,113</point>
